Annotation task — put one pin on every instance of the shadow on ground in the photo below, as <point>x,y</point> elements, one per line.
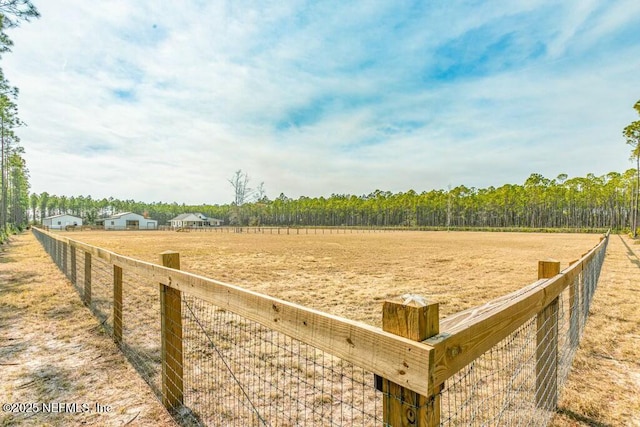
<point>630,253</point>
<point>581,418</point>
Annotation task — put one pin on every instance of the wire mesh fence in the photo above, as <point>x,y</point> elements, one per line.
<point>141,321</point>
<point>211,366</point>
<point>238,372</point>
<point>497,387</point>
<point>102,292</point>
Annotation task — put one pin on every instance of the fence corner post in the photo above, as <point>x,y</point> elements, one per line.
<point>547,344</point>
<point>409,316</point>
<point>547,269</point>
<point>171,337</point>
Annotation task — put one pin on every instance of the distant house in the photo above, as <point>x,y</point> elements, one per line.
<point>59,222</point>
<point>128,221</point>
<point>194,220</point>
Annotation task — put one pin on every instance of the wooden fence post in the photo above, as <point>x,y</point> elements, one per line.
<point>171,332</point>
<point>65,269</point>
<point>54,252</point>
<point>574,309</point>
<point>411,317</point>
<point>87,278</point>
<point>547,345</point>
<point>74,274</point>
<point>117,304</point>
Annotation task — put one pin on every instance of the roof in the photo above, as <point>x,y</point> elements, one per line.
<point>61,215</point>
<point>196,217</point>
<point>120,215</point>
<point>181,217</point>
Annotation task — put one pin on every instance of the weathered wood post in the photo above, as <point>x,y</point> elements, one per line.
<point>65,266</point>
<point>54,252</point>
<point>574,308</point>
<point>411,317</point>
<point>171,332</point>
<point>547,345</point>
<point>87,278</point>
<point>74,273</point>
<point>117,304</point>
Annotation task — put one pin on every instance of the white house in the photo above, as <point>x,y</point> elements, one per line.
<point>128,221</point>
<point>194,220</point>
<point>59,222</point>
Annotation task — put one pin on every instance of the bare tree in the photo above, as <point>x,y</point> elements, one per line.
<point>260,193</point>
<point>242,192</point>
<point>240,184</point>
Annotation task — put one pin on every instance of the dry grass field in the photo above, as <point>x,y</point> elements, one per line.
<point>344,274</point>
<point>351,274</point>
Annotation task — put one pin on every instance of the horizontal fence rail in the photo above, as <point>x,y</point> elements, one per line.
<point>218,354</point>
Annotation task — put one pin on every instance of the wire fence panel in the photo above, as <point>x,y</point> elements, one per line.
<point>497,388</point>
<point>239,373</point>
<point>102,292</point>
<point>141,327</point>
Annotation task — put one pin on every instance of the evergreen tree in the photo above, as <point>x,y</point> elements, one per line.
<point>632,134</point>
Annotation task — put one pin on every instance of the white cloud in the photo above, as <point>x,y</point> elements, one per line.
<point>152,103</point>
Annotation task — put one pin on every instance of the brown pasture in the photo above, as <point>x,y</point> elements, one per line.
<point>350,274</point>
<point>345,274</point>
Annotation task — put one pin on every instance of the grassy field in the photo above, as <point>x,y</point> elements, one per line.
<point>351,274</point>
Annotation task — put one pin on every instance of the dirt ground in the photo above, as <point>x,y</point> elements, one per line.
<point>54,352</point>
<point>345,274</point>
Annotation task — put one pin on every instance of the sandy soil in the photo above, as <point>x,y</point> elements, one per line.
<point>54,352</point>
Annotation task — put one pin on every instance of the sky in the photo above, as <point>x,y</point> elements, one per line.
<point>164,100</point>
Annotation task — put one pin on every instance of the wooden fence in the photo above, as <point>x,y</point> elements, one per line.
<point>412,360</point>
<point>281,230</point>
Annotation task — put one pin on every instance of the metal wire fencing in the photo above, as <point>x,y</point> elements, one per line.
<point>141,322</point>
<point>238,373</point>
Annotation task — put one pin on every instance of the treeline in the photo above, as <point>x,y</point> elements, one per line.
<point>14,175</point>
<point>581,202</point>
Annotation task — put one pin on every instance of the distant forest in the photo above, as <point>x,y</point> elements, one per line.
<point>581,203</point>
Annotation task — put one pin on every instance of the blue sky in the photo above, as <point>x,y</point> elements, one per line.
<point>164,100</point>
